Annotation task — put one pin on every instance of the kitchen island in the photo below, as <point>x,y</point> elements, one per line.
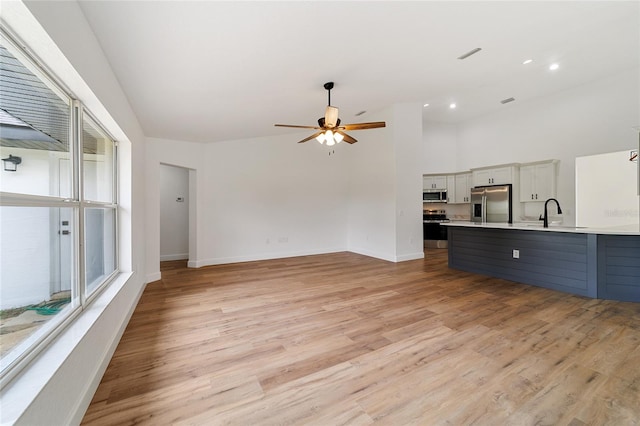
<point>601,263</point>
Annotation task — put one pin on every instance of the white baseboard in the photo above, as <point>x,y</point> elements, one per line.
<point>370,253</point>
<point>264,256</point>
<point>155,276</point>
<point>410,256</point>
<point>387,257</point>
<point>179,256</point>
<point>251,258</point>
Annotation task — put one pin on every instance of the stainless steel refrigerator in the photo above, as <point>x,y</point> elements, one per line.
<point>491,204</point>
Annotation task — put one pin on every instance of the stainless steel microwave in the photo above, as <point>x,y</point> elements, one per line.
<point>434,196</point>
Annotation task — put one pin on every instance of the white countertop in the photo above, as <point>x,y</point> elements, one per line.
<point>533,226</point>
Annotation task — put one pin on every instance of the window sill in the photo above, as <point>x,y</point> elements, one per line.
<point>48,370</point>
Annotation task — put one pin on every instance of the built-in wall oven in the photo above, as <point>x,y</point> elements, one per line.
<point>435,234</point>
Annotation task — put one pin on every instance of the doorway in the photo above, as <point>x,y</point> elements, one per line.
<point>174,213</point>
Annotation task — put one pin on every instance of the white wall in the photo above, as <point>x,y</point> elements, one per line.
<point>440,148</point>
<point>606,190</point>
<point>36,175</point>
<point>174,214</point>
<point>385,183</point>
<point>589,119</point>
<point>256,198</point>
<point>187,155</point>
<point>407,138</point>
<point>58,385</point>
<point>25,256</point>
<point>27,233</point>
<point>269,197</point>
<point>372,191</point>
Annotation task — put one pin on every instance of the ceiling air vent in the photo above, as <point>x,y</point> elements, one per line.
<point>506,101</point>
<point>469,53</point>
<point>360,113</point>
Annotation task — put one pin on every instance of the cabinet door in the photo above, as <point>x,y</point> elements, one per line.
<point>440,182</point>
<point>545,181</point>
<point>481,177</point>
<point>451,189</point>
<point>501,176</point>
<point>537,182</point>
<point>427,182</point>
<point>527,184</point>
<point>463,186</point>
<point>434,182</point>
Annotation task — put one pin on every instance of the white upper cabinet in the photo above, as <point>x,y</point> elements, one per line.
<point>538,181</point>
<point>434,182</point>
<point>495,175</point>
<point>451,188</point>
<point>462,188</point>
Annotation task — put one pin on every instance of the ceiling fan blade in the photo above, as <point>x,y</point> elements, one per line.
<point>310,137</point>
<point>331,116</point>
<point>296,126</point>
<point>363,126</point>
<point>347,138</point>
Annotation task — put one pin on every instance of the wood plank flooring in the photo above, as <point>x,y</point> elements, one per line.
<point>343,339</point>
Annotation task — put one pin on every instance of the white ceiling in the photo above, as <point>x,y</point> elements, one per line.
<point>210,71</point>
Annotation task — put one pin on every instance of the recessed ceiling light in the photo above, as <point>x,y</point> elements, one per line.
<point>553,67</point>
<point>452,106</point>
<point>527,61</point>
<point>425,105</point>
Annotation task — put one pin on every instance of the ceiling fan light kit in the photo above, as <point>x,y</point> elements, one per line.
<point>330,131</point>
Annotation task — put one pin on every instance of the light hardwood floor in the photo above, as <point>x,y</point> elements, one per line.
<point>343,339</point>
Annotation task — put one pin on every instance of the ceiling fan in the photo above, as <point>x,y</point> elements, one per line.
<point>329,128</point>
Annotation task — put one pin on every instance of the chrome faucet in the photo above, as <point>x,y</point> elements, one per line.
<point>546,215</point>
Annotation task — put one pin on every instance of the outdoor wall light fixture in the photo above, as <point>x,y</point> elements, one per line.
<point>11,163</point>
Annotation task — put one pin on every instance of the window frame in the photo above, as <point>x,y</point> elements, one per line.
<point>80,113</point>
<point>30,347</point>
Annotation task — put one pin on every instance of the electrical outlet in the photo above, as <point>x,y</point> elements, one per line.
<point>516,254</point>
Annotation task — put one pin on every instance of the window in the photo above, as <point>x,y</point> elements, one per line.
<point>58,208</point>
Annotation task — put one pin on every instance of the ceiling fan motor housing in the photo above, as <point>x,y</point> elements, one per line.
<point>322,122</point>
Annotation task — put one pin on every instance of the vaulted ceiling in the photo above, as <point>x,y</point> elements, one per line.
<point>210,71</point>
